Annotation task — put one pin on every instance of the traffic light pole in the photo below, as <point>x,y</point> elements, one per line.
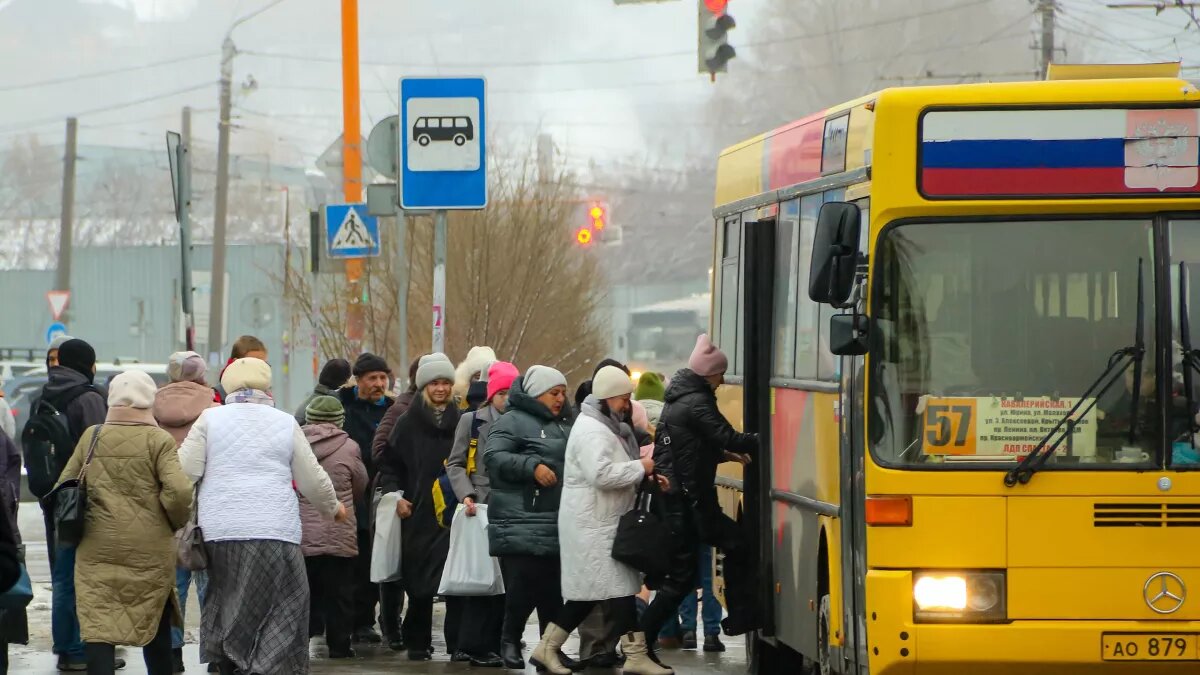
<point>439,281</point>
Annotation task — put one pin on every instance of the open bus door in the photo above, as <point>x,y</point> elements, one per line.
<point>768,651</point>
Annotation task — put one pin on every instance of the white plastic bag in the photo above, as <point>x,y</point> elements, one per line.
<point>469,569</point>
<point>385,551</point>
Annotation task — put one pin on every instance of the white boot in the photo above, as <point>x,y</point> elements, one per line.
<point>637,657</point>
<point>545,654</point>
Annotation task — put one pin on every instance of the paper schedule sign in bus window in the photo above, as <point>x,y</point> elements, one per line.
<point>992,425</point>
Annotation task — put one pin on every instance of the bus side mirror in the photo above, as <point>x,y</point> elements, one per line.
<point>849,334</point>
<point>834,254</point>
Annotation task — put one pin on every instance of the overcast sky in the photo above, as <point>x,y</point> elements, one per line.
<point>591,72</point>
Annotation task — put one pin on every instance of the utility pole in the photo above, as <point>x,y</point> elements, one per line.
<point>402,289</point>
<point>352,163</point>
<point>184,161</point>
<point>216,311</point>
<point>439,281</point>
<point>1047,7</point>
<point>545,159</point>
<point>66,231</point>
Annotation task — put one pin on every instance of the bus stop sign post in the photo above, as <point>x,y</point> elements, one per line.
<point>443,162</point>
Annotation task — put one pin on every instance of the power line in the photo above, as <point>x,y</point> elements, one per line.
<point>108,108</point>
<point>102,73</point>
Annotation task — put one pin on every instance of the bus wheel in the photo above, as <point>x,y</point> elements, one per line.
<point>423,139</point>
<point>459,139</point>
<point>824,665</point>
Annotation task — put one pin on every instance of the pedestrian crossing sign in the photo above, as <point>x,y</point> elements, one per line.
<point>350,232</point>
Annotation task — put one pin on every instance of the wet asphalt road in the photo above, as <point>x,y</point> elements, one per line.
<point>36,658</point>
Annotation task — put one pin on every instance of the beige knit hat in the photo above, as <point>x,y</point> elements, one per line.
<point>132,389</point>
<point>246,373</point>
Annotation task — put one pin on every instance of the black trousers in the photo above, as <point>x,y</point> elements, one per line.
<point>531,582</point>
<point>622,612</point>
<point>418,623</point>
<point>691,525</point>
<point>482,620</point>
<point>365,593</point>
<point>330,583</point>
<point>391,606</point>
<point>101,657</point>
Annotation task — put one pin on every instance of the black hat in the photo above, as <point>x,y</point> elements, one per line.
<point>78,356</point>
<point>335,373</point>
<point>611,362</point>
<point>370,363</point>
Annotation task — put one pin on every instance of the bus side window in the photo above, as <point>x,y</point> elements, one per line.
<point>827,362</point>
<point>434,123</point>
<point>727,328</point>
<point>806,310</point>
<point>787,295</point>
<point>420,123</point>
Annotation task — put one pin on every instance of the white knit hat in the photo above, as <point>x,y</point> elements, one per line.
<point>246,373</point>
<point>132,389</point>
<point>611,382</point>
<point>541,379</point>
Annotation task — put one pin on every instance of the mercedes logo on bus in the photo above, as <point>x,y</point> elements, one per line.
<point>1164,592</point>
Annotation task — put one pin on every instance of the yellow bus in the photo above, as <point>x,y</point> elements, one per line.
<point>959,318</point>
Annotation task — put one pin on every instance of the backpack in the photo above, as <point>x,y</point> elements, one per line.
<point>46,441</point>
<point>445,502</point>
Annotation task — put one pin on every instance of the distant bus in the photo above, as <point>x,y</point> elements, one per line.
<point>457,129</point>
<point>662,335</point>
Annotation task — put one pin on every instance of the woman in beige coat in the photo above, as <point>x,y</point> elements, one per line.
<point>137,496</point>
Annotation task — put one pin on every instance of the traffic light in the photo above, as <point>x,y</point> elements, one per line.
<point>583,236</point>
<point>715,23</point>
<point>599,215</point>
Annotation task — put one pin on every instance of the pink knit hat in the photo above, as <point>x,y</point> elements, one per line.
<point>706,359</point>
<point>500,376</point>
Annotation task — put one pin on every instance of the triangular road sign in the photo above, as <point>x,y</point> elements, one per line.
<point>58,302</point>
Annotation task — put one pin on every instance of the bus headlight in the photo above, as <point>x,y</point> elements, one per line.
<point>968,597</point>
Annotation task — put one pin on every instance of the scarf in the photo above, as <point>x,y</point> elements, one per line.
<point>120,414</point>
<point>250,396</point>
<point>591,408</point>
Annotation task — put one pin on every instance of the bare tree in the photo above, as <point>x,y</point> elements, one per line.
<point>514,283</point>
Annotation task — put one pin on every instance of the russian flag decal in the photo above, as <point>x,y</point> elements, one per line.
<point>1082,152</point>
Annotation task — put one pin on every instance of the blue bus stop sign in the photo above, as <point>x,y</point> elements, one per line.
<point>443,149</point>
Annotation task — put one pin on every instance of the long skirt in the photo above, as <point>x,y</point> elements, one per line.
<point>256,613</point>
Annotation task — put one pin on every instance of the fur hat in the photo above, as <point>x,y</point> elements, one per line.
<point>706,360</point>
<point>132,389</point>
<point>246,373</point>
<point>611,382</point>
<point>335,373</point>
<point>477,361</point>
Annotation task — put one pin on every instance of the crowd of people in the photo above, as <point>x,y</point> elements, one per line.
<point>286,504</point>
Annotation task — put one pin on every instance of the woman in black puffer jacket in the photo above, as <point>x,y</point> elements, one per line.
<point>525,452</point>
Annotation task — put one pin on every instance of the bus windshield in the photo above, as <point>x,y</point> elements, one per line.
<point>988,333</point>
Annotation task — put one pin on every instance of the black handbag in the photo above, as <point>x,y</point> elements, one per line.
<point>70,501</point>
<point>643,539</point>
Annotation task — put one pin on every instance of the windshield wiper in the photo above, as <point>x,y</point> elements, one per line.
<point>1118,363</point>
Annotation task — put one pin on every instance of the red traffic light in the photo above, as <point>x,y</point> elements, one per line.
<point>716,6</point>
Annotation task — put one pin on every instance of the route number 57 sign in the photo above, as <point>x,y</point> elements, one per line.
<point>992,425</point>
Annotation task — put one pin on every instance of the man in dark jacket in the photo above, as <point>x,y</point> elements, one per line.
<point>365,404</point>
<point>692,438</point>
<point>525,453</point>
<point>416,452</point>
<point>70,389</point>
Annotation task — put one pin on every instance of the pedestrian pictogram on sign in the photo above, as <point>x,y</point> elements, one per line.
<point>58,302</point>
<point>350,232</point>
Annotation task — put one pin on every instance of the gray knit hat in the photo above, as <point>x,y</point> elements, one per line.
<point>436,366</point>
<point>325,409</point>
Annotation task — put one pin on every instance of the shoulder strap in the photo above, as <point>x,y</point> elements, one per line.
<point>91,451</point>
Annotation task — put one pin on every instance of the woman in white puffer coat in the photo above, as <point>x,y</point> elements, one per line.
<point>603,471</point>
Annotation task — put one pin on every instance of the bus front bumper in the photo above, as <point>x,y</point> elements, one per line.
<point>896,645</point>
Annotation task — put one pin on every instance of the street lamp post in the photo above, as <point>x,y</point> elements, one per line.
<point>216,318</point>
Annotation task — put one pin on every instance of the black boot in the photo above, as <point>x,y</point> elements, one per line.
<point>510,653</point>
<point>489,660</point>
<point>571,664</point>
<point>177,661</point>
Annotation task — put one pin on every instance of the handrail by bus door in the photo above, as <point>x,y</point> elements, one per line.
<point>758,332</point>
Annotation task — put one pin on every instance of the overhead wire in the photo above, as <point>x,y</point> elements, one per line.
<point>102,73</point>
<point>108,108</point>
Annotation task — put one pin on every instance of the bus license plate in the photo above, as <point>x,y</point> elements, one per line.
<point>1148,647</point>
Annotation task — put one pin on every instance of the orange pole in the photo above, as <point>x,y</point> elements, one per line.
<point>352,157</point>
